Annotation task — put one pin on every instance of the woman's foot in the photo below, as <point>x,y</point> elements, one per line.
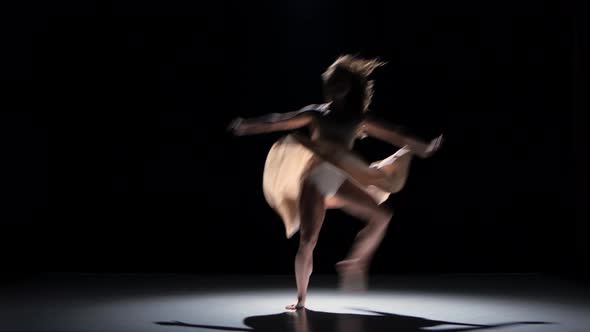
<point>297,306</point>
<point>434,146</point>
<point>300,304</point>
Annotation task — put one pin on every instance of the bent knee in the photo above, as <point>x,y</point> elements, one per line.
<point>398,186</point>
<point>397,182</point>
<point>307,244</point>
<point>385,215</point>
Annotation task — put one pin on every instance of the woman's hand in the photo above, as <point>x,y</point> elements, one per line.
<point>433,146</point>
<point>270,123</point>
<point>237,127</point>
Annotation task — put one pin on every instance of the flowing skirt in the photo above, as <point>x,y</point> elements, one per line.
<point>289,163</point>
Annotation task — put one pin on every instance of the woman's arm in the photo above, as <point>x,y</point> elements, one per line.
<point>388,133</point>
<point>273,122</point>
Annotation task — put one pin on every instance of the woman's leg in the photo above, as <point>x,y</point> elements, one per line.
<point>313,210</point>
<point>388,175</point>
<point>356,202</point>
<point>396,167</point>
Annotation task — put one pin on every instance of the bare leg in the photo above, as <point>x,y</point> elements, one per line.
<point>388,175</point>
<point>397,167</point>
<point>357,202</point>
<point>313,211</point>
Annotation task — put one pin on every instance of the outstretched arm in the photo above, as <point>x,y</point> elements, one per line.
<point>273,122</point>
<point>388,133</point>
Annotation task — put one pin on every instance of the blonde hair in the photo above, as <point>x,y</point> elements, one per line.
<point>358,70</point>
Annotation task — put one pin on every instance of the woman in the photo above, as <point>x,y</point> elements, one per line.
<point>305,176</point>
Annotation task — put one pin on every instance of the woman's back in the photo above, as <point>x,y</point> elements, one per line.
<point>338,128</point>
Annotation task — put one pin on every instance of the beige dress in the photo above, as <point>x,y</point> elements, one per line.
<point>289,163</point>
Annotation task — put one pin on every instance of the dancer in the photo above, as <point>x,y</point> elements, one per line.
<point>306,175</point>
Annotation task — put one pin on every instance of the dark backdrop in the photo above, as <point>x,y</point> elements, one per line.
<point>116,157</point>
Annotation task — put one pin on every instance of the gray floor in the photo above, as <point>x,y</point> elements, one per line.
<point>170,303</point>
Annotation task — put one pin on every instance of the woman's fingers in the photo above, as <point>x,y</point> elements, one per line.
<point>235,126</point>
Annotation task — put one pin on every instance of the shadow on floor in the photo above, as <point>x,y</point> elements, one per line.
<point>307,321</point>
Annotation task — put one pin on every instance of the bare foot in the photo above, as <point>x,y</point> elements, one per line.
<point>434,145</point>
<point>295,306</point>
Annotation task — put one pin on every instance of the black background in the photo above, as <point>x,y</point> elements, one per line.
<point>116,157</point>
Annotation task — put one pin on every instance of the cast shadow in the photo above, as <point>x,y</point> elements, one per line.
<point>305,320</point>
